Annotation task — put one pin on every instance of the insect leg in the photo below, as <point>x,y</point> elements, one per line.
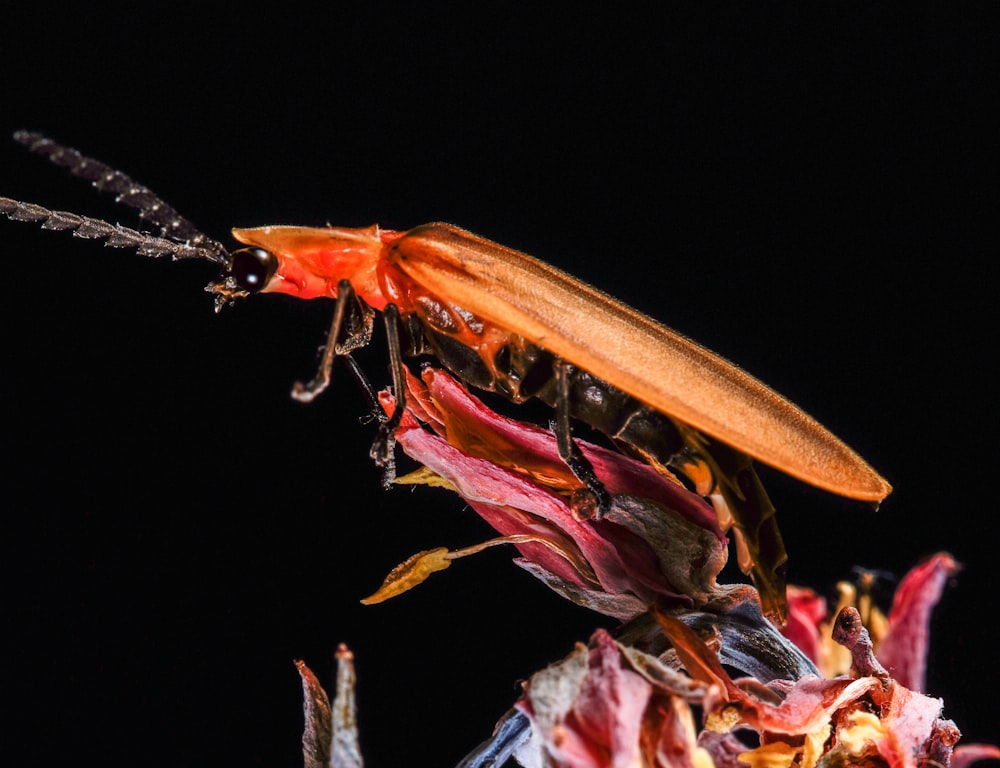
<point>755,524</point>
<point>348,313</point>
<point>377,412</point>
<point>385,440</point>
<point>594,500</point>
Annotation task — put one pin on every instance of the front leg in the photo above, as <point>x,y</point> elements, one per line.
<point>348,313</point>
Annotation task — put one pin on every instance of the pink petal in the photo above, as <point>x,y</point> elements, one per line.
<point>904,650</point>
<point>806,610</point>
<point>909,722</point>
<point>526,442</point>
<point>500,496</point>
<point>588,709</point>
<point>965,755</point>
<point>609,706</point>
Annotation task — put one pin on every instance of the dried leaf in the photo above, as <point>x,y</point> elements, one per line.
<point>318,728</point>
<point>345,751</point>
<point>330,735</point>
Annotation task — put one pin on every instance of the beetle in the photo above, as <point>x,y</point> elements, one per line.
<point>506,322</point>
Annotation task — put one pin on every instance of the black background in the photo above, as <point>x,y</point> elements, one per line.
<point>810,193</point>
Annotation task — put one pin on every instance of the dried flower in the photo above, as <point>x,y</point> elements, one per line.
<point>696,676</point>
<point>601,708</point>
<point>659,544</point>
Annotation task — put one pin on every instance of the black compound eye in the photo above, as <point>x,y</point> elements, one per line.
<point>252,268</point>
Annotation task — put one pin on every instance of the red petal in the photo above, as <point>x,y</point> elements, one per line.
<point>475,429</point>
<point>904,650</point>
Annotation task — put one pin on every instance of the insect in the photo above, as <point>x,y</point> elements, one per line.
<point>506,322</point>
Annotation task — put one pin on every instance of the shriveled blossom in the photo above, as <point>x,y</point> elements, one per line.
<point>861,719</point>
<point>658,544</point>
<point>695,676</point>
<point>607,704</point>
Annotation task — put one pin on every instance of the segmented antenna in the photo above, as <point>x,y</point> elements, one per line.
<point>115,235</point>
<point>178,237</point>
